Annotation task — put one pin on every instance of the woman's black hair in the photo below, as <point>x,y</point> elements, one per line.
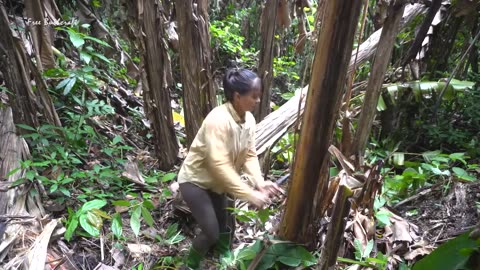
<point>238,80</point>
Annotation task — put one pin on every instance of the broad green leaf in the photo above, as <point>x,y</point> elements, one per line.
<point>147,216</point>
<point>117,139</point>
<point>30,175</point>
<point>383,217</point>
<point>381,106</point>
<point>246,254</point>
<point>94,220</point>
<point>448,255</point>
<point>135,219</point>
<point>94,204</point>
<point>101,213</point>
<point>72,226</point>
<point>429,167</point>
<point>462,174</point>
<point>169,177</point>
<point>85,56</point>
<point>399,158</point>
<point>358,249</point>
<point>175,239</point>
<point>76,39</point>
<point>65,191</point>
<point>117,225</point>
<point>89,228</point>
<point>368,249</point>
<point>102,57</point>
<point>26,127</point>
<point>69,86</point>
<point>430,154</point>
<point>287,95</point>
<point>121,203</point>
<point>148,204</point>
<point>347,260</point>
<point>63,83</point>
<point>172,230</point>
<point>289,261</point>
<point>41,164</point>
<point>458,156</point>
<point>264,214</point>
<point>12,172</point>
<point>98,41</point>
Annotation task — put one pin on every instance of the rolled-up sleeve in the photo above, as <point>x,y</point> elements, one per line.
<point>219,161</point>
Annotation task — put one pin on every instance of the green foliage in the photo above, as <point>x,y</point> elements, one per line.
<point>229,42</point>
<point>454,254</point>
<point>432,168</point>
<point>455,128</point>
<point>278,254</point>
<point>254,216</point>
<point>172,235</point>
<point>362,256</point>
<point>284,150</point>
<point>90,218</point>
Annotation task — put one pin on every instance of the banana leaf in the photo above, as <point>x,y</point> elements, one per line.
<point>425,89</point>
<point>453,255</point>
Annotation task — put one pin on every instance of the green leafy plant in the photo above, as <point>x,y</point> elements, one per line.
<point>90,218</point>
<point>138,210</point>
<point>278,253</point>
<point>362,256</point>
<point>454,254</point>
<point>255,216</point>
<point>172,235</point>
<point>433,167</point>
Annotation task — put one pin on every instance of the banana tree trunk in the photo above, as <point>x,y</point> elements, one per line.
<point>41,35</point>
<point>329,70</point>
<point>195,63</point>
<point>17,69</point>
<point>265,66</point>
<point>155,93</point>
<point>377,74</point>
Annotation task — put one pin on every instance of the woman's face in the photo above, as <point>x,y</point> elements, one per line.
<point>249,101</point>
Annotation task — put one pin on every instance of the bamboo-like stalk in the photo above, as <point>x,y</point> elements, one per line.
<point>375,81</point>
<point>336,228</point>
<point>310,171</point>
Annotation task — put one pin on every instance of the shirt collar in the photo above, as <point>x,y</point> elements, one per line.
<point>234,113</point>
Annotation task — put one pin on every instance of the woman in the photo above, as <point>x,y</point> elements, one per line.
<point>223,147</point>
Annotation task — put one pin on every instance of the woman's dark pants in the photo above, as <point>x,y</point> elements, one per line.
<point>209,210</point>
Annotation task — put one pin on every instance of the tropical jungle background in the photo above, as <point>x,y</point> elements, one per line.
<point>369,119</point>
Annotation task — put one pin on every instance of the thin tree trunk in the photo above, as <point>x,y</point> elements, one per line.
<point>15,71</point>
<point>377,74</point>
<point>156,96</point>
<point>265,66</point>
<point>310,171</point>
<point>367,48</point>
<point>443,40</point>
<point>422,32</point>
<point>195,63</point>
<point>41,35</point>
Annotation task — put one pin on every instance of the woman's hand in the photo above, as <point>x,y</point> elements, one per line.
<point>270,188</point>
<point>260,199</point>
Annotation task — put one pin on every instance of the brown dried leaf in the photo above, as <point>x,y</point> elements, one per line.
<point>401,231</point>
<point>118,257</point>
<point>137,250</point>
<point>133,173</point>
<point>411,255</point>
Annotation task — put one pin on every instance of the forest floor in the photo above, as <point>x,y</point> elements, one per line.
<point>440,214</point>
